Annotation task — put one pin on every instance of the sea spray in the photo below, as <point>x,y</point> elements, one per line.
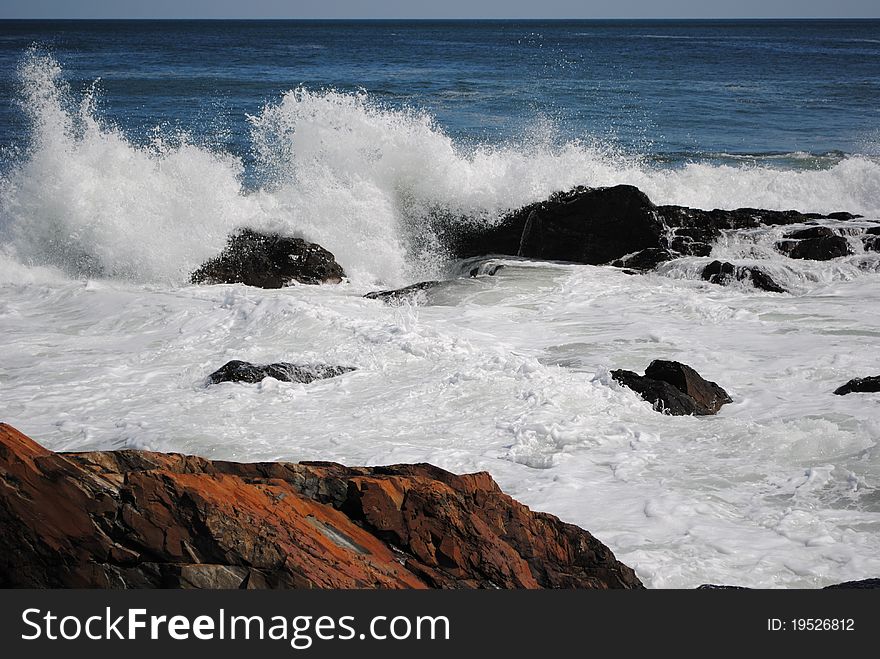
<point>365,180</point>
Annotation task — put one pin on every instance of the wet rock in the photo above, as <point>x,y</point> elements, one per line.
<point>600,226</point>
<point>414,293</point>
<point>675,388</point>
<point>811,232</point>
<point>647,259</point>
<point>723,273</point>
<point>871,243</point>
<point>269,261</point>
<point>681,376</point>
<point>663,396</point>
<point>585,225</point>
<point>815,249</point>
<point>859,385</point>
<point>239,371</point>
<point>132,519</point>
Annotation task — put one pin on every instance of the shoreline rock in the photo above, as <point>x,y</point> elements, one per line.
<point>859,386</point>
<point>674,388</point>
<point>239,371</point>
<point>619,225</point>
<point>723,273</point>
<point>135,519</point>
<point>269,260</point>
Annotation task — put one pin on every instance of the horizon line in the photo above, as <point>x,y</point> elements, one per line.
<point>441,18</point>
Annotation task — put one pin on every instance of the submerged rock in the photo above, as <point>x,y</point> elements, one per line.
<point>411,293</point>
<point>723,273</point>
<point>859,385</point>
<point>132,519</point>
<point>239,371</point>
<point>269,261</point>
<point>675,388</point>
<point>647,259</point>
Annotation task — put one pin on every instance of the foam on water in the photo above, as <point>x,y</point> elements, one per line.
<point>356,176</point>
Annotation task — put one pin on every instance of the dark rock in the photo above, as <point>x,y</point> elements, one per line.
<point>723,273</point>
<point>811,232</point>
<point>712,586</point>
<point>398,296</point>
<point>663,396</point>
<point>132,519</point>
<point>871,243</point>
<point>674,388</point>
<point>873,231</point>
<point>863,584</point>
<point>585,225</point>
<point>681,376</point>
<point>239,371</point>
<point>647,259</point>
<point>599,226</point>
<point>269,261</point>
<point>859,385</point>
<point>815,249</point>
<point>840,215</point>
<point>689,247</point>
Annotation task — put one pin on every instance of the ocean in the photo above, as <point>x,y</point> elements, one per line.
<point>129,150</point>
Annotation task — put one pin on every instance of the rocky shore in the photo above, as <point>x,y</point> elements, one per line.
<point>132,519</point>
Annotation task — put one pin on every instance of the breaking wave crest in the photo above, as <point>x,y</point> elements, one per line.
<point>361,178</point>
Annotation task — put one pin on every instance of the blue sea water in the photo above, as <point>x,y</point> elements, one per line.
<point>670,91</point>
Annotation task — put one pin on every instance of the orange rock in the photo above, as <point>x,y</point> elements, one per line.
<point>131,519</point>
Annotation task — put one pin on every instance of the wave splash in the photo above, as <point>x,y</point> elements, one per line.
<point>362,179</point>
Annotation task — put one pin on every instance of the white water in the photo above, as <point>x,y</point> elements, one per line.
<point>104,347</point>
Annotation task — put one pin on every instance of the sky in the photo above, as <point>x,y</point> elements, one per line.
<point>438,9</point>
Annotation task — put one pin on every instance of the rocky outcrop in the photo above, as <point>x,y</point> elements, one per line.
<point>814,244</point>
<point>132,519</point>
<point>413,293</point>
<point>618,225</point>
<point>859,385</point>
<point>269,261</point>
<point>675,388</point>
<point>239,371</point>
<point>723,273</point>
<point>585,225</point>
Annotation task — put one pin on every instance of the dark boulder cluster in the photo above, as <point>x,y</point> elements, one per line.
<point>620,226</point>
<point>674,388</point>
